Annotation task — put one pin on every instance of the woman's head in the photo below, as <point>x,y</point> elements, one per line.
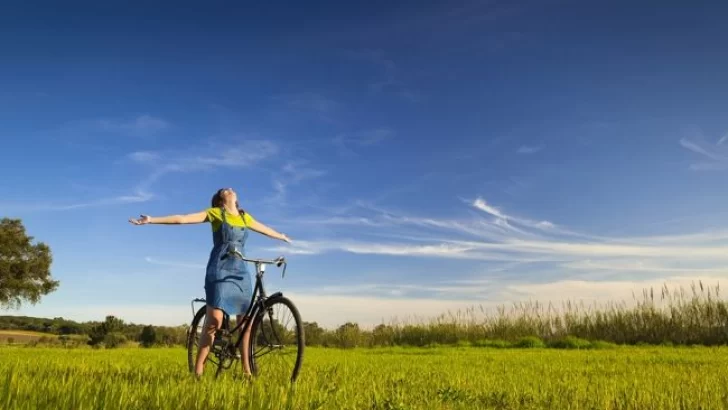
<point>224,196</point>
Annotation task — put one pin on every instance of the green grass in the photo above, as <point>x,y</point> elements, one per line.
<point>379,378</point>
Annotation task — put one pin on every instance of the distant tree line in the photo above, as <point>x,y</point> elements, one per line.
<point>112,332</point>
<point>672,318</point>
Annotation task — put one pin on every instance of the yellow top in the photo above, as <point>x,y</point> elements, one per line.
<point>214,216</point>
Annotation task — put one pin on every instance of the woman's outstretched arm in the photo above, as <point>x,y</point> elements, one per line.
<point>194,218</point>
<point>260,228</point>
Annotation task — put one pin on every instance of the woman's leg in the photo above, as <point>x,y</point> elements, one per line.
<point>244,346</point>
<point>213,321</point>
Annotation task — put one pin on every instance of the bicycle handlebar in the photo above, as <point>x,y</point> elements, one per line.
<point>277,261</point>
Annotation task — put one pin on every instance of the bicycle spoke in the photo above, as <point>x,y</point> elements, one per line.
<point>278,342</point>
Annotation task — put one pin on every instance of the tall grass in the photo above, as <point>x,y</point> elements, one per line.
<point>678,317</point>
<point>696,316</point>
<point>387,379</point>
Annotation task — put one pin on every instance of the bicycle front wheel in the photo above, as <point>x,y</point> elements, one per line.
<point>277,340</point>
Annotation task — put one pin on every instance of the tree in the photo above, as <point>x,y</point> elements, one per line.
<point>383,335</point>
<point>348,335</point>
<point>148,337</point>
<point>314,334</point>
<point>112,325</point>
<point>114,339</point>
<point>24,267</point>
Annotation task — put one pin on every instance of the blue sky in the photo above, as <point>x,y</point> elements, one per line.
<point>422,157</point>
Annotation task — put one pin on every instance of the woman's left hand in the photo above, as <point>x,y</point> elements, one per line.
<point>285,238</point>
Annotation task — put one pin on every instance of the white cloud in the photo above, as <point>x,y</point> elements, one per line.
<point>643,265</point>
<point>152,314</point>
<point>480,203</point>
<point>192,266</point>
<point>243,154</point>
<point>524,247</point>
<point>529,149</point>
<point>714,155</point>
<point>446,289</point>
<point>604,292</point>
<point>292,174</point>
<point>297,171</point>
<point>439,250</point>
<point>388,80</point>
<point>147,124</point>
<point>327,310</point>
<point>504,220</point>
<point>334,310</point>
<point>347,143</point>
<point>137,197</point>
<point>512,250</point>
<point>708,166</point>
<point>139,126</point>
<point>144,156</point>
<point>507,238</point>
<point>309,101</point>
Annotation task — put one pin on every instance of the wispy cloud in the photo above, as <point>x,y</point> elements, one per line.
<point>389,78</point>
<point>444,289</point>
<point>291,174</point>
<point>605,291</point>
<point>479,203</point>
<point>173,264</point>
<point>529,149</point>
<point>246,153</point>
<point>370,305</point>
<point>243,154</point>
<point>136,197</point>
<point>144,157</point>
<point>714,155</point>
<point>139,126</point>
<point>312,103</point>
<point>308,101</point>
<point>504,220</point>
<point>348,143</point>
<point>497,236</point>
<point>299,170</point>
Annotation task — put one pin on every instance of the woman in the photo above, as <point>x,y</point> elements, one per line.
<point>228,283</point>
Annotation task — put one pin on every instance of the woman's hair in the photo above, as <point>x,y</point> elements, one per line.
<point>217,201</point>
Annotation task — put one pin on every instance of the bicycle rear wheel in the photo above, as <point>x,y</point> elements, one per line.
<point>193,340</point>
<point>277,340</point>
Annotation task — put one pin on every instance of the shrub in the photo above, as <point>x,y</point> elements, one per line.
<point>601,344</point>
<point>530,342</point>
<point>496,344</point>
<point>570,342</point>
<point>114,339</point>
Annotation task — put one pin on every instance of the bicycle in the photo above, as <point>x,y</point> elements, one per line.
<point>263,328</point>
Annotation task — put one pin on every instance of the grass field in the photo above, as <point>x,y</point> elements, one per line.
<point>387,378</point>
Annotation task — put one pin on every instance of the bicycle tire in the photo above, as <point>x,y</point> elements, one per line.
<point>192,339</point>
<point>300,337</point>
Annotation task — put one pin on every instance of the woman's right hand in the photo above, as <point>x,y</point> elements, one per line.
<point>145,219</point>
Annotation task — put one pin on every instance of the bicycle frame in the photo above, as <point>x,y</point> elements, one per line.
<point>257,301</point>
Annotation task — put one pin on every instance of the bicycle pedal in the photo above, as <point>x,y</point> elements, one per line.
<point>233,352</point>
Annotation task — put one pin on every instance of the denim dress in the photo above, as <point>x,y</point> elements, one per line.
<point>228,283</point>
